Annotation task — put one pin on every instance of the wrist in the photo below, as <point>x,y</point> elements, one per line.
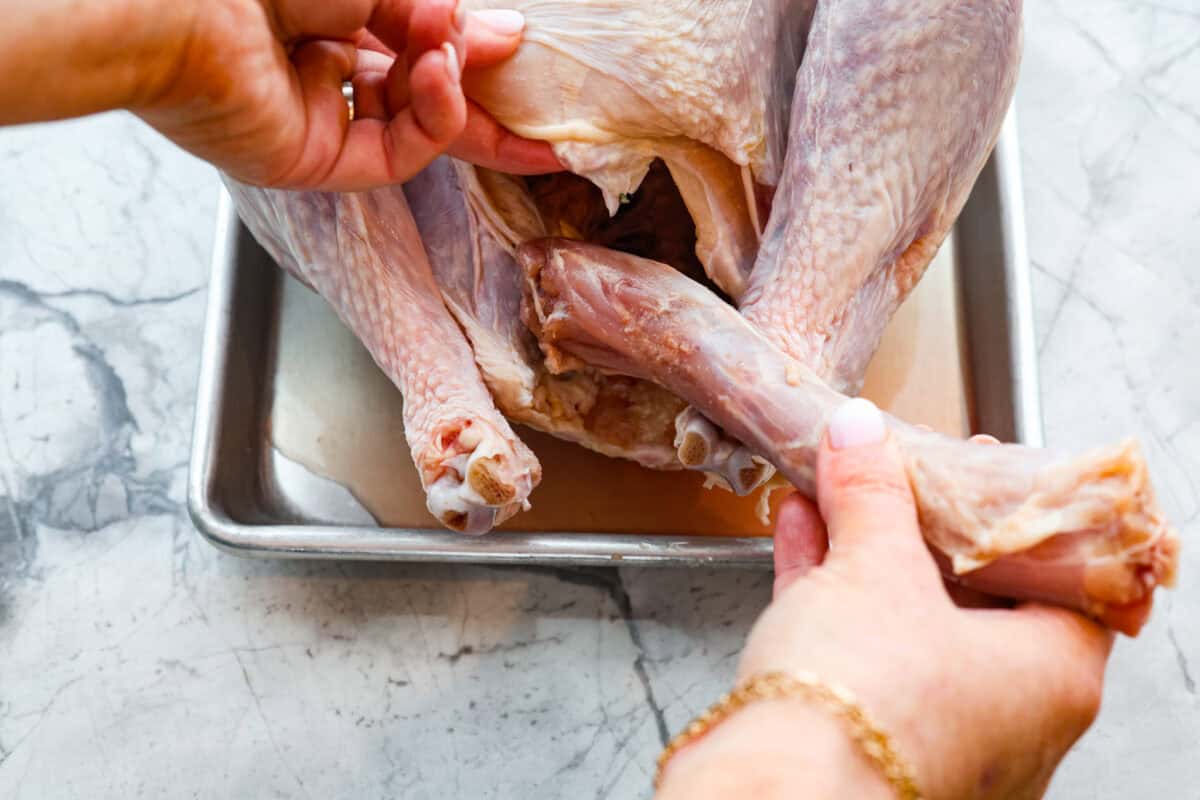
<point>775,749</point>
<point>63,58</point>
<point>161,33</point>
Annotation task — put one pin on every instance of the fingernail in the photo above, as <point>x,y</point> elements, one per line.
<point>460,17</point>
<point>855,423</point>
<point>502,21</point>
<point>452,68</point>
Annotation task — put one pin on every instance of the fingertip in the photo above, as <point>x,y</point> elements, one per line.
<point>486,143</point>
<point>372,61</point>
<point>862,488</point>
<point>983,438</point>
<point>493,35</point>
<point>500,21</point>
<point>800,540</point>
<point>1128,619</point>
<point>451,63</point>
<point>856,423</point>
<point>432,23</point>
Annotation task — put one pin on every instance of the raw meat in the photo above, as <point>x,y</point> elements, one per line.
<point>482,285</point>
<point>705,87</point>
<point>1080,531</point>
<point>362,253</point>
<point>898,106</point>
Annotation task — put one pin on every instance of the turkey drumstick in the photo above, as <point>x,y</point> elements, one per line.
<point>1080,531</point>
<point>362,253</point>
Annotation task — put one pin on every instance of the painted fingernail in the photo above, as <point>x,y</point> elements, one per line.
<point>502,21</point>
<point>984,438</point>
<point>460,17</point>
<point>452,68</point>
<point>855,423</point>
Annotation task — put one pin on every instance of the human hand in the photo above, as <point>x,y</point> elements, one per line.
<point>255,86</point>
<point>981,702</point>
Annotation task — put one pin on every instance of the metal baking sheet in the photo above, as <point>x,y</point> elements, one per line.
<point>298,449</point>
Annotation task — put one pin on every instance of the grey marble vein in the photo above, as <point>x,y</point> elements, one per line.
<point>138,661</point>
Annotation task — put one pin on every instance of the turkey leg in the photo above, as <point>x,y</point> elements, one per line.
<point>362,253</point>
<point>1080,531</point>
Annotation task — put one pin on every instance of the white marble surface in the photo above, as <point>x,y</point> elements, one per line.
<point>135,660</point>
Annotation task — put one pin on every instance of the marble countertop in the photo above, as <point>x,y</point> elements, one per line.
<point>136,660</point>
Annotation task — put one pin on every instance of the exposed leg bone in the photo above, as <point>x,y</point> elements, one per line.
<point>1080,531</point>
<point>701,445</point>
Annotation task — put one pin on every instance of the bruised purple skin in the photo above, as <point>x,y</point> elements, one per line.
<point>1079,531</point>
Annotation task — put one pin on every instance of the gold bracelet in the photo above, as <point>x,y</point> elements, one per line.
<point>869,737</point>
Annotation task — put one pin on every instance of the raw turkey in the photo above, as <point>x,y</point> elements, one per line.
<point>755,186</point>
<point>896,108</point>
<point>482,285</point>
<point>704,86</point>
<point>362,253</point>
<point>1081,531</point>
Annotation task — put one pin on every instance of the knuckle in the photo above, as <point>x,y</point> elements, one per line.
<point>870,480</point>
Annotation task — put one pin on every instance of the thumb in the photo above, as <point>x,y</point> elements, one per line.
<point>862,489</point>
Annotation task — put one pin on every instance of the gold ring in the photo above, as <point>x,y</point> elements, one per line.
<point>348,93</point>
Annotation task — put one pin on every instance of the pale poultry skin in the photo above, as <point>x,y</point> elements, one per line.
<point>898,107</point>
<point>704,86</point>
<point>362,253</point>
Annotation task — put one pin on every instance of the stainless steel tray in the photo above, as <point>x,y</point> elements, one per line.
<point>250,499</point>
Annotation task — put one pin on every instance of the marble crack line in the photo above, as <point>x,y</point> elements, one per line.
<point>625,607</point>
<point>117,422</point>
<point>1170,10</point>
<point>1160,69</point>
<point>267,724</point>
<point>579,756</point>
<point>1091,39</point>
<point>470,650</point>
<point>122,302</point>
<point>5,754</point>
<point>1189,682</point>
<point>611,581</point>
<point>109,387</point>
